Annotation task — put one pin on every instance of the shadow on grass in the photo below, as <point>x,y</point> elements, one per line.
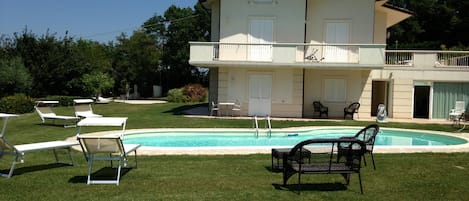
<point>312,187</point>
<point>105,173</point>
<point>182,110</point>
<point>28,169</point>
<point>276,169</point>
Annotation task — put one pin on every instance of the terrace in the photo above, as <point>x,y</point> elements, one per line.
<point>349,56</point>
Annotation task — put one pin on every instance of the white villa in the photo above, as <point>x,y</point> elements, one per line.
<point>276,57</point>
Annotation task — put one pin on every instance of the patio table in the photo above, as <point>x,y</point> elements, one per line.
<point>225,108</point>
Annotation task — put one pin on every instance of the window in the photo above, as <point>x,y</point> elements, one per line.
<point>334,90</point>
<point>262,31</point>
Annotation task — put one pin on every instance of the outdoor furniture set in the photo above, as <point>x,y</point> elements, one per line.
<point>225,108</point>
<point>458,115</point>
<point>327,156</point>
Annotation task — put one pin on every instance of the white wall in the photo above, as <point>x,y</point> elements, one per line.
<point>288,18</point>
<point>315,89</point>
<point>360,13</point>
<point>287,89</point>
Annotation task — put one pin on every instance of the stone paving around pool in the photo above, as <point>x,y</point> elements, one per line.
<point>144,150</point>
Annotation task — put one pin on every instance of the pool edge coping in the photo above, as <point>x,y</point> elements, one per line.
<point>244,150</point>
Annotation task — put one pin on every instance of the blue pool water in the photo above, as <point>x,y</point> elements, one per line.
<point>210,138</point>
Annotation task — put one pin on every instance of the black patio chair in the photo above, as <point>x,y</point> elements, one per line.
<point>319,107</point>
<point>322,159</point>
<point>351,109</point>
<point>368,136</point>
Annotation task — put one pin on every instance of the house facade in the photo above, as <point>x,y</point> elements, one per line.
<point>275,57</point>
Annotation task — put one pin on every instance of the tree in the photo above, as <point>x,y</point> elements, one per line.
<point>14,76</point>
<point>96,83</point>
<point>435,24</point>
<point>49,61</point>
<point>136,61</point>
<point>173,31</point>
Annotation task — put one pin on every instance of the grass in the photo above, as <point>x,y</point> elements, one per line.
<point>425,176</point>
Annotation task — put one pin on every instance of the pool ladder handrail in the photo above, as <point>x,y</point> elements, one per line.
<point>268,123</point>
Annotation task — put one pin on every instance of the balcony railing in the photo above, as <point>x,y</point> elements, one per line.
<point>411,58</point>
<point>287,53</point>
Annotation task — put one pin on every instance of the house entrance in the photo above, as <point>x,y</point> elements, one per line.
<point>379,94</point>
<point>421,102</point>
<point>260,95</point>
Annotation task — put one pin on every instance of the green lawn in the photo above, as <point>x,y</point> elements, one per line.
<point>235,177</point>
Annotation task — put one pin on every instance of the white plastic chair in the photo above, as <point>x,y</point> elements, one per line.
<point>457,111</point>
<point>213,108</point>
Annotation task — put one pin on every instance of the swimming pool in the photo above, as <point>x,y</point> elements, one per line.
<point>279,138</point>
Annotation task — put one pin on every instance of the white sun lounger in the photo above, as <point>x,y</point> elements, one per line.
<point>107,147</point>
<point>18,151</point>
<point>45,113</point>
<point>83,108</point>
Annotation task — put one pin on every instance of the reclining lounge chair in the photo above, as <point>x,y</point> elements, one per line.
<point>43,109</point>
<point>106,148</point>
<point>83,108</point>
<point>18,151</point>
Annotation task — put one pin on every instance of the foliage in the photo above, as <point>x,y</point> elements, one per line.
<point>434,24</point>
<point>176,95</point>
<point>63,100</point>
<point>136,61</point>
<point>16,104</point>
<point>50,62</point>
<point>189,93</point>
<point>97,83</point>
<point>14,76</point>
<point>174,30</point>
<point>194,93</point>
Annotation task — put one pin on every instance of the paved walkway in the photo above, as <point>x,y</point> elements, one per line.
<point>203,112</point>
<point>139,102</point>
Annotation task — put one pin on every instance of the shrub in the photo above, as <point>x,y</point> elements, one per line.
<point>194,93</point>
<point>63,100</point>
<point>16,104</point>
<point>189,93</point>
<point>176,95</point>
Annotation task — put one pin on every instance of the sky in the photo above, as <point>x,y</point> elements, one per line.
<point>98,20</point>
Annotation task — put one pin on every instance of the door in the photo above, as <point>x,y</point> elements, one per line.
<point>260,95</point>
<point>379,95</point>
<point>261,32</point>
<point>337,33</point>
<point>421,102</point>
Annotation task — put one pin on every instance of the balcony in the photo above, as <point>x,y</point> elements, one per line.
<point>211,54</point>
<point>427,59</point>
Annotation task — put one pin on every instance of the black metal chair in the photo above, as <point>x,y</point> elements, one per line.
<point>351,109</point>
<point>319,107</point>
<point>368,136</point>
